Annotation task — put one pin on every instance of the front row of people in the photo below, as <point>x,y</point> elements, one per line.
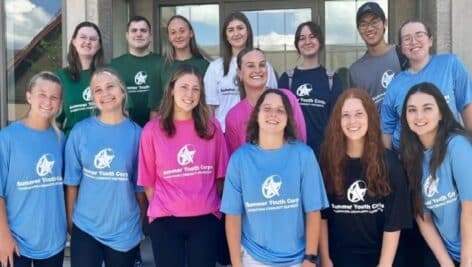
<point>274,193</point>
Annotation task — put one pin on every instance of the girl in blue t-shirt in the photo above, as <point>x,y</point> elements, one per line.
<point>367,190</point>
<point>100,173</point>
<point>316,87</point>
<point>437,153</point>
<point>32,211</point>
<point>273,191</point>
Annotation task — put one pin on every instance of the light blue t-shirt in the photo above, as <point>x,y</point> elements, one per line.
<point>102,160</point>
<point>272,190</point>
<point>446,71</point>
<point>443,195</point>
<point>31,185</point>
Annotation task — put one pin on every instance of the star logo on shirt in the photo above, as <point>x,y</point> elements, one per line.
<point>104,158</point>
<point>44,165</point>
<point>387,77</point>
<point>271,186</point>
<point>186,154</point>
<point>356,192</point>
<point>87,94</point>
<point>304,89</point>
<point>430,186</point>
<point>140,78</point>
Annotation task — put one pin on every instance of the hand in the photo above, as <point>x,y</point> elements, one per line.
<point>307,263</point>
<point>7,249</point>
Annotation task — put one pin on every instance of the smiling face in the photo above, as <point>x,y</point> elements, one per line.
<point>44,99</point>
<point>107,93</point>
<point>354,120</point>
<point>372,29</point>
<point>179,34</point>
<point>138,35</point>
<point>236,34</point>
<point>423,116</point>
<point>415,41</point>
<point>308,44</point>
<point>86,42</point>
<point>186,93</point>
<point>272,116</point>
<point>253,71</point>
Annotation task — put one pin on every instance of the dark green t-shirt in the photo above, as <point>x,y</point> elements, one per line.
<point>78,103</point>
<point>168,70</point>
<point>141,76</point>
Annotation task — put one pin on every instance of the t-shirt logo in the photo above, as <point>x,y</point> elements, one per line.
<point>140,78</point>
<point>104,158</point>
<point>304,89</point>
<point>45,165</point>
<point>87,94</point>
<point>430,186</point>
<point>186,154</point>
<point>271,186</point>
<point>387,77</point>
<point>356,192</point>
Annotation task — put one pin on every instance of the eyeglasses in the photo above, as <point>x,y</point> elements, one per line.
<point>375,23</point>
<point>88,38</point>
<point>418,36</point>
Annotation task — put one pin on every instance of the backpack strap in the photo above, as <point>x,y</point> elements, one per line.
<point>290,77</point>
<point>330,75</point>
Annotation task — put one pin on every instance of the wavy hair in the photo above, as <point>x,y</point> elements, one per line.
<point>74,66</point>
<point>412,150</point>
<point>333,157</point>
<point>290,131</point>
<point>201,116</point>
<point>227,52</point>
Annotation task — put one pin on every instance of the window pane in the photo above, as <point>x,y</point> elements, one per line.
<point>33,40</point>
<point>343,42</point>
<point>205,23</point>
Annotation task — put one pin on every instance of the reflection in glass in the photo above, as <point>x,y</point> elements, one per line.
<point>33,40</point>
<point>205,23</point>
<point>344,45</point>
<point>274,32</point>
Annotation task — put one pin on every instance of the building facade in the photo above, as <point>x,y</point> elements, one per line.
<point>273,21</point>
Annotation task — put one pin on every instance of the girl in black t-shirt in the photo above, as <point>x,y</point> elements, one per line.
<point>369,201</point>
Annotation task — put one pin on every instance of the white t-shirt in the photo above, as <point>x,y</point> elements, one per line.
<point>222,91</point>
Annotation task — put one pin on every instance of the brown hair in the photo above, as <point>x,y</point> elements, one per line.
<point>333,150</point>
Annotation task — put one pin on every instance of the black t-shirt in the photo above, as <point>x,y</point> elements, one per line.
<point>356,222</point>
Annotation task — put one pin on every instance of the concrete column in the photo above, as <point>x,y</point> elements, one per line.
<point>461,39</point>
<point>3,73</point>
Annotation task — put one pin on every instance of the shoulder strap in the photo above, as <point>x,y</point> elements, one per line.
<point>290,77</point>
<point>404,64</point>
<point>330,75</point>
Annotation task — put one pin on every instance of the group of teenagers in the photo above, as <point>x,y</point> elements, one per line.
<point>222,164</point>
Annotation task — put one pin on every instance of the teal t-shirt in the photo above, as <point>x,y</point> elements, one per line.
<point>77,104</point>
<point>141,76</point>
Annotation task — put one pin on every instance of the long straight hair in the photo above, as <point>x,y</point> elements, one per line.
<point>116,78</point>
<point>412,150</point>
<point>333,150</point>
<point>227,53</point>
<point>201,116</point>
<point>74,66</point>
<point>239,62</point>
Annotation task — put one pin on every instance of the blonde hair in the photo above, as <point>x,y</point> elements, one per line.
<point>113,74</point>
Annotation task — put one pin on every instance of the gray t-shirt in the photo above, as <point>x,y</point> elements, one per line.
<point>374,73</point>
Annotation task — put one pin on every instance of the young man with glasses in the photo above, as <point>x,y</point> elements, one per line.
<point>382,61</point>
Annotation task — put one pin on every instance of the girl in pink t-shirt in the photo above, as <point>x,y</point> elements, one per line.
<point>182,161</point>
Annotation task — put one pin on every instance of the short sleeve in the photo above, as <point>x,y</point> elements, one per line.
<point>232,202</point>
<point>72,158</point>
<point>398,214</point>
<point>283,81</point>
<point>147,156</point>
<point>134,177</point>
<point>462,83</point>
<point>211,80</point>
<point>4,163</point>
<point>272,79</point>
<point>312,186</point>
<point>460,150</point>
<point>336,91</point>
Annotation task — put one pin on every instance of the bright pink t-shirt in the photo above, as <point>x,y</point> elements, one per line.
<point>182,169</point>
<point>238,117</point>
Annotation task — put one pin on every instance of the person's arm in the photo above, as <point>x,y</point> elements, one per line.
<point>467,117</point>
<point>434,241</point>
<point>8,244</point>
<point>142,202</point>
<point>71,197</point>
<point>233,235</point>
<point>324,245</point>
<point>312,235</point>
<point>387,140</point>
<point>466,234</point>
<point>389,248</point>
<point>212,109</point>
